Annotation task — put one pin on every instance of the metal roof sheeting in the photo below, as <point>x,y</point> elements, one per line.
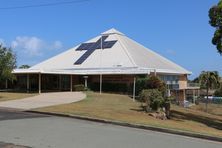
<point>125,57</point>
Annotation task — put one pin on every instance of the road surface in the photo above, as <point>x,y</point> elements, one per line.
<point>34,130</point>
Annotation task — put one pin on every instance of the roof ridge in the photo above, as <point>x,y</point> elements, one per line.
<point>112,31</point>
<point>125,50</point>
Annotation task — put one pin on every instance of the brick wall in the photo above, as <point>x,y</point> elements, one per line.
<point>183,81</point>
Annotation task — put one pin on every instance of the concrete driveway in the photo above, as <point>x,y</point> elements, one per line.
<point>43,100</point>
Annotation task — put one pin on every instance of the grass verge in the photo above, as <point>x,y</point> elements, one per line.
<point>6,96</point>
<point>122,108</point>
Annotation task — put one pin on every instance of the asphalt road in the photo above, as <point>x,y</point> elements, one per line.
<point>34,130</point>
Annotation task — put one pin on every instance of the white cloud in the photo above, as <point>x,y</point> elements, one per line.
<point>56,45</point>
<point>33,46</point>
<point>28,45</point>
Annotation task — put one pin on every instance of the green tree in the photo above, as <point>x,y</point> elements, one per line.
<point>218,92</point>
<point>24,67</point>
<point>195,80</point>
<point>215,15</point>
<point>151,82</point>
<point>153,99</point>
<point>210,80</point>
<point>154,82</point>
<point>7,64</point>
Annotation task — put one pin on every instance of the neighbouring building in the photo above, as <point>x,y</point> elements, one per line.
<point>110,58</point>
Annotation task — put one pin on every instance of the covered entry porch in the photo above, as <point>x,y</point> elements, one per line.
<point>45,82</point>
<point>33,82</point>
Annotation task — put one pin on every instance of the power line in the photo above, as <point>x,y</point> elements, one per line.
<point>43,5</point>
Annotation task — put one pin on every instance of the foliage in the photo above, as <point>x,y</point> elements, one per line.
<point>155,83</point>
<point>218,92</point>
<point>79,87</point>
<point>7,63</point>
<point>215,15</point>
<point>141,83</point>
<point>210,80</point>
<point>109,87</point>
<point>153,99</point>
<point>24,67</point>
<point>152,82</point>
<point>144,97</point>
<point>167,104</point>
<point>195,80</point>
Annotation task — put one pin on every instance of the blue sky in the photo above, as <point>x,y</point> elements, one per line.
<point>176,29</point>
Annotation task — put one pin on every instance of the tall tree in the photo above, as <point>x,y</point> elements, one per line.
<point>218,92</point>
<point>215,15</point>
<point>7,64</point>
<point>210,80</point>
<point>24,67</point>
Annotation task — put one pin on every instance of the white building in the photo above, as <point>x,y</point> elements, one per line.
<point>118,61</point>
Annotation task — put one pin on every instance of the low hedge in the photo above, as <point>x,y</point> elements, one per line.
<point>79,87</point>
<point>109,87</point>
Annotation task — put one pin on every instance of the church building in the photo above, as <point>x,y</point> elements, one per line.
<point>110,59</point>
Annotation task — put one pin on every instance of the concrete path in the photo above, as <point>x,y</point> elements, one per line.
<point>40,131</point>
<point>43,100</point>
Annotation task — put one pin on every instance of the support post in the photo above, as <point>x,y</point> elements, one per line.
<point>184,94</point>
<point>194,96</point>
<point>168,92</point>
<point>60,82</point>
<point>154,72</point>
<point>86,84</point>
<point>6,84</point>
<point>134,88</point>
<point>100,88</point>
<point>71,83</point>
<point>100,81</point>
<point>40,83</point>
<point>27,85</point>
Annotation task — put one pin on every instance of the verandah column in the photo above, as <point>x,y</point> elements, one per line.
<point>40,83</point>
<point>6,84</point>
<point>100,81</point>
<point>27,84</point>
<point>134,87</point>
<point>60,82</point>
<point>71,83</point>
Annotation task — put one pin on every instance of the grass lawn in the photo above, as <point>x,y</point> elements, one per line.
<point>122,108</point>
<point>6,96</point>
<point>215,109</point>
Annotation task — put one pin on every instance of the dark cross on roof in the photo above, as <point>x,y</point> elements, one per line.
<point>91,47</point>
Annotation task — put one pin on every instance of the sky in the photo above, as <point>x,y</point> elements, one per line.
<point>176,29</point>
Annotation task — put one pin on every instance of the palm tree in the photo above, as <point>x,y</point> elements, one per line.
<point>209,80</point>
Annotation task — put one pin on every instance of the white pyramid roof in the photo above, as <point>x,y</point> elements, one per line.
<point>124,57</point>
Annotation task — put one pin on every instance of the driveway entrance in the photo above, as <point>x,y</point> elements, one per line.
<point>43,100</point>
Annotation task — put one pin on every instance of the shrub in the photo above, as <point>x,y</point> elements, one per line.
<point>167,106</point>
<point>153,99</point>
<point>144,97</point>
<point>109,87</point>
<point>141,83</point>
<point>152,82</point>
<point>79,87</point>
